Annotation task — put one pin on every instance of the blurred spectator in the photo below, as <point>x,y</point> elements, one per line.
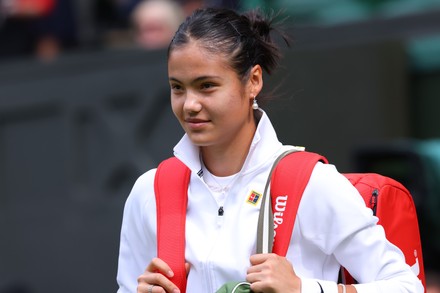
<point>36,27</point>
<point>114,18</point>
<point>17,25</point>
<point>155,22</point>
<point>26,8</point>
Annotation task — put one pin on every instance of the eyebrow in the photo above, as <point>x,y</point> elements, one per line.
<point>198,79</point>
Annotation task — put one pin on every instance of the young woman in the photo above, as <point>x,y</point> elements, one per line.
<point>215,65</point>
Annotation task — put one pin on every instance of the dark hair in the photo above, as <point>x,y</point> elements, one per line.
<point>245,39</point>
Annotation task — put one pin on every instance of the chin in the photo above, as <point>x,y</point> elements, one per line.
<point>200,143</point>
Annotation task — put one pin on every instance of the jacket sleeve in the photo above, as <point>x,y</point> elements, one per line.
<point>137,240</point>
<point>333,217</point>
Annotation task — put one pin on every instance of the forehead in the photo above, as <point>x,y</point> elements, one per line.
<point>193,57</point>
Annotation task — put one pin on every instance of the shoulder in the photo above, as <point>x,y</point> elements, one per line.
<point>145,180</point>
<point>327,183</point>
<point>331,208</point>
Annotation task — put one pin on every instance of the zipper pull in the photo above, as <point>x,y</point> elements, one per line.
<point>221,211</point>
<point>373,201</point>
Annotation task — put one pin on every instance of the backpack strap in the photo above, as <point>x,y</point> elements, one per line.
<point>171,204</point>
<point>289,180</point>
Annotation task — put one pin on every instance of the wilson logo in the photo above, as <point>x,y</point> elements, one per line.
<point>280,207</point>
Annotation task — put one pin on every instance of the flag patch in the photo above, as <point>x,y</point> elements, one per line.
<point>253,197</point>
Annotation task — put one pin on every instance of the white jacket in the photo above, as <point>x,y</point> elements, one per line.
<point>333,227</point>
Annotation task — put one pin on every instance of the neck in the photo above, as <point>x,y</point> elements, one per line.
<point>227,160</point>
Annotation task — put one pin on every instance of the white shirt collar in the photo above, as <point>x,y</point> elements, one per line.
<point>265,145</point>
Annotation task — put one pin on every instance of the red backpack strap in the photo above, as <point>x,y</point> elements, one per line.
<point>289,179</point>
<point>171,189</point>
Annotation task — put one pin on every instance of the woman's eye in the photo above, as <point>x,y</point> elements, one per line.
<point>207,85</point>
<point>176,87</point>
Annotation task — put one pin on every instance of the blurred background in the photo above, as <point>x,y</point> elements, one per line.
<point>84,110</point>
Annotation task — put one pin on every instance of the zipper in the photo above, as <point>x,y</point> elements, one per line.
<point>221,211</point>
<point>373,201</point>
<point>220,217</point>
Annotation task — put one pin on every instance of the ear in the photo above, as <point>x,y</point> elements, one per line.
<point>255,80</point>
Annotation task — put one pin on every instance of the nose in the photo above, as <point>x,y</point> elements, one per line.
<point>192,103</point>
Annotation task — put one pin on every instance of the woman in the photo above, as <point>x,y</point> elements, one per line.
<point>215,66</point>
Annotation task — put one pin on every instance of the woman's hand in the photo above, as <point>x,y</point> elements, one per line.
<point>272,273</point>
<point>155,279</point>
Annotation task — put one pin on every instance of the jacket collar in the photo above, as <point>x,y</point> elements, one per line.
<point>265,145</point>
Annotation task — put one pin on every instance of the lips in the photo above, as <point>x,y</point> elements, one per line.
<point>196,123</point>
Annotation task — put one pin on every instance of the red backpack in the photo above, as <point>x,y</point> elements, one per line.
<point>390,201</point>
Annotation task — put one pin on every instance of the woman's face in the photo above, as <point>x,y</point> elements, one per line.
<point>211,102</point>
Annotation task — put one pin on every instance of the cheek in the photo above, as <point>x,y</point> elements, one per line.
<point>176,106</point>
<point>236,104</point>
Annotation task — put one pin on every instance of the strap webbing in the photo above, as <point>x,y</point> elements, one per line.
<point>171,189</point>
<point>289,180</point>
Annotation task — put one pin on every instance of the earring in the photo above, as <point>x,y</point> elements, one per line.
<point>255,104</point>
